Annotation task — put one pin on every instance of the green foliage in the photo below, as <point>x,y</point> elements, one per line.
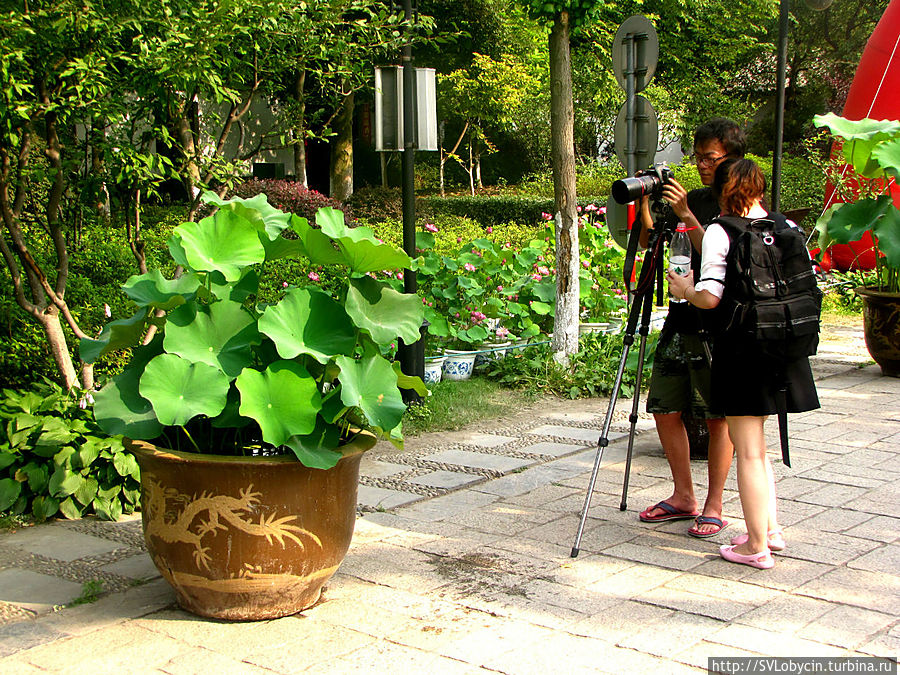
<point>54,459</point>
<point>839,296</point>
<point>592,371</point>
<point>872,149</point>
<point>377,204</point>
<point>490,210</point>
<point>486,290</point>
<point>230,375</point>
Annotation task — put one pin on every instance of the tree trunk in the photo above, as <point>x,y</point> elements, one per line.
<point>190,175</point>
<point>59,349</point>
<point>470,169</point>
<point>342,152</point>
<point>562,148</point>
<point>300,131</point>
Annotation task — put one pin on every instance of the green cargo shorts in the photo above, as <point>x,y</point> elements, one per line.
<point>681,378</point>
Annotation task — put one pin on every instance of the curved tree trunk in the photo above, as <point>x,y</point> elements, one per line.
<point>342,151</point>
<point>300,131</point>
<point>562,146</point>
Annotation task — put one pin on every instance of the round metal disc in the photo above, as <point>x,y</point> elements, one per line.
<point>646,136</point>
<point>617,221</point>
<point>636,33</point>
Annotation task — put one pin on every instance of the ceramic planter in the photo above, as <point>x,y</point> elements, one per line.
<point>881,327</point>
<point>458,364</point>
<point>599,327</point>
<point>247,538</point>
<point>497,351</point>
<point>434,366</point>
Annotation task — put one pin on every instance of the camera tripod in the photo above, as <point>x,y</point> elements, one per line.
<point>641,307</point>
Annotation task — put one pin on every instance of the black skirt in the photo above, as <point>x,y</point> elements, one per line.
<point>746,383</point>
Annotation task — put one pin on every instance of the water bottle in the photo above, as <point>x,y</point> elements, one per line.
<point>680,254</point>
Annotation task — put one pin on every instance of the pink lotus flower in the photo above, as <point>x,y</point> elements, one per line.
<point>502,332</point>
<point>400,275</point>
<point>284,284</point>
<point>543,270</point>
<point>490,230</point>
<point>601,209</point>
<point>469,267</point>
<point>585,264</point>
<point>431,227</point>
<point>590,207</point>
<point>536,277</point>
<point>313,276</point>
<point>459,240</point>
<point>546,216</point>
<point>499,288</point>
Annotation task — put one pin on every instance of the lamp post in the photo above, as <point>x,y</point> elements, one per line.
<point>412,357</point>
<point>784,26</point>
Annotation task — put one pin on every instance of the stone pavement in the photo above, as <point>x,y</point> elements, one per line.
<point>460,562</point>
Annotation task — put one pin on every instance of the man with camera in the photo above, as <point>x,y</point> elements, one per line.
<point>680,380</point>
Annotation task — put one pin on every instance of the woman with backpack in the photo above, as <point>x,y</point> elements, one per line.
<point>745,381</point>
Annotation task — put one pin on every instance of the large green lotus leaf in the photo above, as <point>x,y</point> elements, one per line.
<point>413,382</point>
<point>860,138</point>
<point>424,240</point>
<point>279,247</point>
<point>115,335</point>
<point>888,156</point>
<point>362,252</point>
<point>154,290</point>
<point>317,450</point>
<point>284,400</point>
<point>179,390</point>
<point>887,231</point>
<point>255,209</point>
<point>176,250</point>
<point>308,321</point>
<point>238,291</point>
<point>220,335</point>
<point>546,291</point>
<point>843,223</point>
<point>383,312</point>
<point>225,242</point>
<point>119,408</point>
<point>317,246</point>
<point>370,384</point>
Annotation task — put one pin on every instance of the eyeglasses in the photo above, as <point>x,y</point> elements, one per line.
<point>707,160</point>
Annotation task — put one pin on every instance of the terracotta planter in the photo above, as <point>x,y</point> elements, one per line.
<point>247,538</point>
<point>881,327</point>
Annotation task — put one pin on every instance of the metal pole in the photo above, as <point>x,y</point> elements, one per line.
<point>630,106</point>
<point>412,359</point>
<point>783,29</point>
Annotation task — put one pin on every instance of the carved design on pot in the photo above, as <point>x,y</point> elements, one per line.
<point>185,526</point>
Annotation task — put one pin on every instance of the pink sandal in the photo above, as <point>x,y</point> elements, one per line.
<point>775,540</point>
<point>762,560</point>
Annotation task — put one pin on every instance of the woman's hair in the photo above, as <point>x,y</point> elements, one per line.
<point>738,183</point>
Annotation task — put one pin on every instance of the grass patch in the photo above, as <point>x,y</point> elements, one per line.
<point>90,592</point>
<point>11,523</point>
<point>453,404</point>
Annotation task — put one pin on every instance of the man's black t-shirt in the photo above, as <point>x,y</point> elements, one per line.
<point>684,317</point>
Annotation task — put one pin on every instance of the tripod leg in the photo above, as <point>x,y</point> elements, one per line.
<point>645,330</point>
<point>602,442</point>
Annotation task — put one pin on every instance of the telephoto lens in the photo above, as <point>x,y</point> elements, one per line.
<point>631,189</point>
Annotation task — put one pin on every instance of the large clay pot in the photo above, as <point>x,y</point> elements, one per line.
<point>881,327</point>
<point>247,538</point>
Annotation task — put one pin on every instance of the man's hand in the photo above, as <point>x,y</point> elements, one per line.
<point>676,197</point>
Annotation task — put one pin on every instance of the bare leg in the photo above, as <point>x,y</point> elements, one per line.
<point>721,452</point>
<point>674,440</point>
<point>773,506</point>
<point>753,480</point>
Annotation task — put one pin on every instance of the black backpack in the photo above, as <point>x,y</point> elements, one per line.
<point>771,296</point>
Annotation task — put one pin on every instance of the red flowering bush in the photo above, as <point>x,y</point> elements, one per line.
<point>290,196</point>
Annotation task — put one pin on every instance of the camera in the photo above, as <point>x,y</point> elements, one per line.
<point>648,182</point>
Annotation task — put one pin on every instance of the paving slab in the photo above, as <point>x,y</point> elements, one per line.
<point>34,591</point>
<point>61,543</point>
<point>381,498</point>
<point>446,479</point>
